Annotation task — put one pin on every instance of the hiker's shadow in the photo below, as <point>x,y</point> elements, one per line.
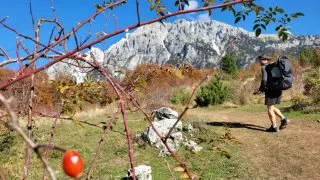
<point>237,125</point>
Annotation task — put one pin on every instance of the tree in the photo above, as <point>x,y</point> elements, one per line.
<point>55,48</point>
<point>229,64</point>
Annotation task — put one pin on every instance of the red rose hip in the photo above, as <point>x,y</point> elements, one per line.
<point>72,164</point>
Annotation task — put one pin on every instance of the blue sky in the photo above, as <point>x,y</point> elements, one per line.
<point>70,12</point>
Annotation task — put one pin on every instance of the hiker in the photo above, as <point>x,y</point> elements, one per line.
<point>272,97</point>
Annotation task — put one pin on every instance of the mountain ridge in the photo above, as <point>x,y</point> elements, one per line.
<point>199,43</point>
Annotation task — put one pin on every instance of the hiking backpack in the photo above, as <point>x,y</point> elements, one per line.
<point>281,74</point>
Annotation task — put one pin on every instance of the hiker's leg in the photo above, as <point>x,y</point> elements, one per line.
<point>278,113</point>
<point>272,115</point>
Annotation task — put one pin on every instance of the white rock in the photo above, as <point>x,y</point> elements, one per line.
<point>142,172</point>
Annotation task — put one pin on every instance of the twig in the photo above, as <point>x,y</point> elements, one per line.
<point>125,122</point>
<point>53,130</point>
<point>106,130</point>
<point>138,13</point>
<point>180,7</point>
<point>5,53</point>
<point>53,9</point>
<point>31,98</point>
<point>115,22</point>
<point>2,175</point>
<point>4,19</point>
<point>18,54</point>
<point>31,14</point>
<point>170,170</point>
<point>70,119</point>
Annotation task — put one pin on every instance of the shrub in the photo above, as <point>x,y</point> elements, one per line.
<point>312,85</point>
<point>229,64</point>
<point>213,93</point>
<point>308,57</point>
<point>180,96</point>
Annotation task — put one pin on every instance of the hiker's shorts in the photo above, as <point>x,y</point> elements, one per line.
<point>272,97</point>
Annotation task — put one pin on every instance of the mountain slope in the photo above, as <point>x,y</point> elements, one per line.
<point>201,44</point>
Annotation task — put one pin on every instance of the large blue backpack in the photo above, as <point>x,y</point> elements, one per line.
<point>281,75</point>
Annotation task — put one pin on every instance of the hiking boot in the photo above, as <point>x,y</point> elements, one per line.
<point>272,129</point>
<point>284,123</point>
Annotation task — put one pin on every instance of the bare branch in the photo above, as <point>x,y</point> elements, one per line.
<point>53,9</point>
<point>2,175</point>
<point>31,13</point>
<point>53,130</point>
<point>125,122</point>
<point>5,53</point>
<point>4,19</point>
<point>138,13</point>
<point>180,7</point>
<point>105,132</point>
<point>69,119</point>
<point>115,22</point>
<point>168,166</point>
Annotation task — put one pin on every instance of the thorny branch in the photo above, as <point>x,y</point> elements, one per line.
<point>106,130</point>
<point>52,133</point>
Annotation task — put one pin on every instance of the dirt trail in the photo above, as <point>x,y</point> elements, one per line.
<point>292,153</point>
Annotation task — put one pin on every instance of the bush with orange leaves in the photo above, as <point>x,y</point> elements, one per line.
<point>155,84</point>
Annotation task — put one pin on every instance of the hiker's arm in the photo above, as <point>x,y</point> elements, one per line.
<point>263,82</point>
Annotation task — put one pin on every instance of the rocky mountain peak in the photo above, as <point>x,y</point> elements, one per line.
<point>199,43</point>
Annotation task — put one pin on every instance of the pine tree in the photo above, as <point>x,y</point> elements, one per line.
<point>229,64</point>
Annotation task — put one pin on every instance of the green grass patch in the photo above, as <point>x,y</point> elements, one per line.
<point>113,162</point>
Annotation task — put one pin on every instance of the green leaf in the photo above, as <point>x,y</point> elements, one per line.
<point>263,26</point>
<point>237,19</point>
<point>243,17</point>
<point>186,2</point>
<point>278,27</point>
<point>258,32</point>
<point>296,15</point>
<point>284,37</point>
<point>299,14</point>
<point>77,122</point>
<point>255,26</point>
<point>230,8</point>
<point>1,54</point>
<point>210,12</point>
<point>280,10</point>
<point>224,8</point>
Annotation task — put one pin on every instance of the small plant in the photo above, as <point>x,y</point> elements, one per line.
<point>213,93</point>
<point>180,96</point>
<point>229,64</point>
